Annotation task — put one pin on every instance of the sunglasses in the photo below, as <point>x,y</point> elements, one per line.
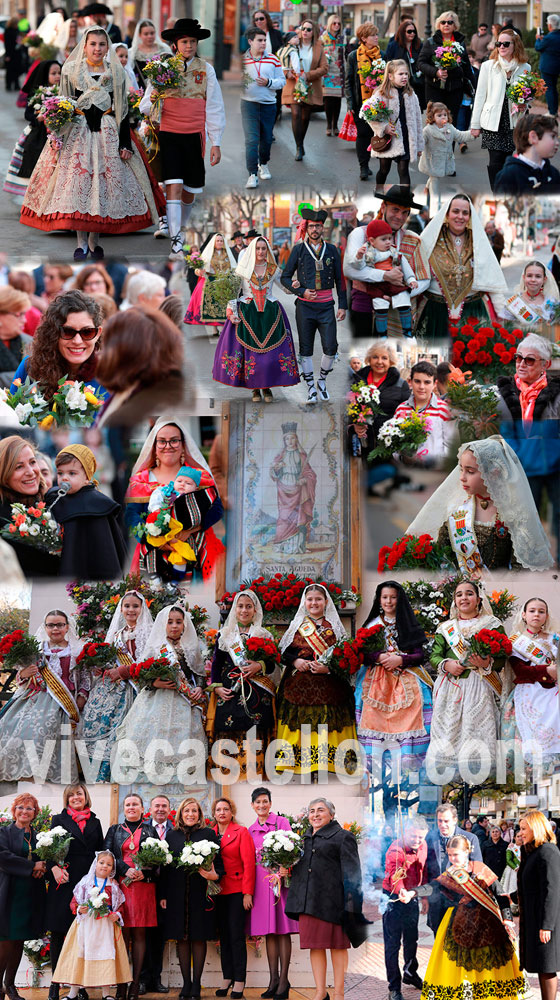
<point>86,333</point>
<point>410,31</point>
<point>307,29</point>
<point>260,18</point>
<point>527,358</point>
<point>504,45</point>
<point>447,22</point>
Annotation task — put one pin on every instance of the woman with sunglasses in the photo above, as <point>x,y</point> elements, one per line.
<point>493,113</point>
<point>274,37</point>
<point>447,85</point>
<point>308,65</point>
<point>406,45</point>
<point>333,83</point>
<point>530,395</point>
<point>66,344</point>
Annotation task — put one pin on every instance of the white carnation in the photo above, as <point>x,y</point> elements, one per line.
<point>75,399</point>
<point>23,411</point>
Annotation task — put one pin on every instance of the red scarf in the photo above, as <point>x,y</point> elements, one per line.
<point>372,380</point>
<point>528,394</point>
<point>80,816</point>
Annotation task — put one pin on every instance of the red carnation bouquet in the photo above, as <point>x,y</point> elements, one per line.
<point>96,655</point>
<point>19,649</point>
<point>415,552</point>
<point>260,648</point>
<point>371,640</point>
<point>490,642</point>
<point>343,659</point>
<point>155,668</point>
<point>487,348</point>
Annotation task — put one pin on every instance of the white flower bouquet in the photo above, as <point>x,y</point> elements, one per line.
<point>34,526</point>
<point>98,903</point>
<point>53,845</point>
<point>75,404</point>
<point>27,402</point>
<point>197,856</point>
<point>151,854</point>
<point>281,849</point>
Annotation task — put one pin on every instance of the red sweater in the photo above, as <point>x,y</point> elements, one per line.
<point>414,862</point>
<point>238,854</point>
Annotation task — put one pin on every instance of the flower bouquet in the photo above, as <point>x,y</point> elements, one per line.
<point>490,642</point>
<point>75,404</point>
<point>58,113</point>
<point>225,288</point>
<point>355,829</point>
<point>134,97</point>
<point>261,649</point>
<point>371,73</point>
<point>343,659</point>
<point>36,99</point>
<point>38,954</point>
<point>19,649</point>
<point>200,855</point>
<point>487,348</point>
<point>34,526</point>
<point>415,552</point>
<point>155,668</point>
<point>97,903</point>
<point>474,405</point>
<point>446,56</point>
<point>299,823</point>
<point>53,845</point>
<point>194,260</point>
<point>403,436</point>
<point>371,640</point>
<point>502,604</point>
<point>527,88</point>
<point>151,854</point>
<point>376,110</point>
<point>27,402</point>
<point>301,89</point>
<point>164,72</point>
<point>280,849</point>
<point>32,40</point>
<point>363,403</point>
<point>157,523</point>
<point>96,655</point>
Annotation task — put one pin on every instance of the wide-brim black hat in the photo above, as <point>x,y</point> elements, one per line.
<point>250,235</point>
<point>95,8</point>
<point>398,195</point>
<point>185,27</point>
<point>314,215</point>
<point>237,234</point>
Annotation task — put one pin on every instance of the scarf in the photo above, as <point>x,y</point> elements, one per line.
<point>507,68</point>
<point>365,57</point>
<point>528,395</point>
<point>80,816</point>
<point>453,268</point>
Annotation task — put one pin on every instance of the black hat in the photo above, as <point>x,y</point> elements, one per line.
<point>250,235</point>
<point>313,215</point>
<point>237,234</point>
<point>398,195</point>
<point>185,27</point>
<point>94,8</point>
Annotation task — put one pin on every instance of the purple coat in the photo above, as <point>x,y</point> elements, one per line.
<point>267,915</point>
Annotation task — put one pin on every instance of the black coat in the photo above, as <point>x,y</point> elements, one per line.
<point>517,177</point>
<point>188,913</point>
<point>494,855</point>
<point>33,561</point>
<point>392,391</point>
<point>14,865</point>
<point>93,547</point>
<point>353,83</point>
<point>459,78</point>
<point>302,264</point>
<point>79,859</point>
<point>435,863</point>
<point>538,890</point>
<point>327,881</point>
<point>114,840</point>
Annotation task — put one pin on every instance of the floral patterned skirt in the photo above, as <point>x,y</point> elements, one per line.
<point>269,361</point>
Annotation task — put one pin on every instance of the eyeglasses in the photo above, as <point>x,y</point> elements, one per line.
<point>410,31</point>
<point>447,22</point>
<point>504,45</point>
<point>86,333</point>
<point>527,358</point>
<point>171,443</point>
<point>55,624</point>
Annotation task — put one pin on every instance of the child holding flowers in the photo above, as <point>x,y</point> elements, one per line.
<point>397,132</point>
<point>94,953</point>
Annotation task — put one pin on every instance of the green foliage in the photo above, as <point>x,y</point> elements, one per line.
<point>13,618</point>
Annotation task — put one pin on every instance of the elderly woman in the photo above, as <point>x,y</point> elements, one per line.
<point>447,85</point>
<point>356,91</point>
<point>14,343</point>
<point>87,838</point>
<point>538,889</point>
<point>325,895</point>
<point>308,64</point>
<point>236,898</point>
<point>145,290</point>
<point>66,344</point>
<point>529,395</point>
<point>22,890</point>
<point>494,852</point>
<point>548,47</point>
<point>526,307</point>
<point>21,482</point>
<point>381,372</point>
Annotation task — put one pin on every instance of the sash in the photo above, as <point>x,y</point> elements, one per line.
<point>308,630</point>
<point>474,890</point>
<point>463,538</point>
<point>519,308</point>
<point>536,653</point>
<point>60,693</point>
<point>125,660</point>
<point>460,647</point>
<point>238,654</point>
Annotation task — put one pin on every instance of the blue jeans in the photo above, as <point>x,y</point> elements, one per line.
<point>258,122</point>
<point>551,80</point>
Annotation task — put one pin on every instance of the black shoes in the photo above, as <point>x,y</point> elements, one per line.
<point>83,994</point>
<point>284,994</point>
<point>395,995</point>
<point>413,980</point>
<point>160,988</point>
<point>269,992</point>
<point>223,992</point>
<point>300,153</point>
<point>364,174</point>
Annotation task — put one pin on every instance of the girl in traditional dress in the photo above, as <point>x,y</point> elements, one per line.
<point>485,511</point>
<point>50,694</point>
<point>526,306</point>
<point>97,183</point>
<point>467,686</point>
<point>309,694</point>
<point>169,710</point>
<point>146,44</point>
<point>473,953</point>
<point>94,951</point>
<point>466,278</point>
<point>256,349</point>
<point>393,688</point>
<point>532,710</point>
<point>113,692</point>
<point>242,690</point>
<point>34,136</point>
<point>218,262</point>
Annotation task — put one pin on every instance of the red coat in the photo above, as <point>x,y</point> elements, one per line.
<point>238,855</point>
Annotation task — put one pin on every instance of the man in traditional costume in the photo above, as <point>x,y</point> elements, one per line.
<point>99,14</point>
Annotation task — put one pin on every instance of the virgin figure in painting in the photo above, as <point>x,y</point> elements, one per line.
<point>295,485</point>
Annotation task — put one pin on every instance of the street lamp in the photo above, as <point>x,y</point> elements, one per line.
<point>428,18</point>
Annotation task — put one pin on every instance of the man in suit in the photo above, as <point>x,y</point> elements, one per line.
<point>419,222</point>
<point>150,982</point>
<point>481,829</point>
<point>446,818</point>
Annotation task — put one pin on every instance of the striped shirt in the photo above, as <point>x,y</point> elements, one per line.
<point>441,423</point>
<point>268,68</point>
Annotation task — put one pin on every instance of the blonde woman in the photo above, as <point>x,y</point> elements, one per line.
<point>538,888</point>
<point>447,85</point>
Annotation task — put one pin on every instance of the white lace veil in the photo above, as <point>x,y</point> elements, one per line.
<point>509,489</point>
<point>188,642</point>
<point>75,644</point>
<point>230,632</point>
<point>159,42</point>
<point>331,614</point>
<point>86,883</point>
<point>551,625</point>
<point>246,263</point>
<point>208,251</point>
<point>550,287</point>
<point>487,273</point>
<point>194,455</point>
<point>133,83</point>
<point>95,93</point>
<point>143,625</point>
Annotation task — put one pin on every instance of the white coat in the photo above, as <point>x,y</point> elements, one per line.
<point>413,123</point>
<point>490,92</point>
<point>438,159</point>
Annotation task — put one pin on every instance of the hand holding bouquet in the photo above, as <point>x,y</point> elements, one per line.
<point>527,88</point>
<point>301,89</point>
<point>375,110</point>
<point>199,856</point>
<point>262,649</point>
<point>446,56</point>
<point>281,849</point>
<point>53,845</point>
<point>371,640</point>
<point>19,649</point>
<point>34,526</point>
<point>151,854</point>
<point>98,903</point>
<point>96,655</point>
<point>164,72</point>
<point>343,659</point>
<point>490,642</point>
<point>58,112</point>
<point>403,437</point>
<point>363,403</point>
<point>155,668</point>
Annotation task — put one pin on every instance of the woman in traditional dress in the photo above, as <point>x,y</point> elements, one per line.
<point>112,692</point>
<point>168,447</point>
<point>531,711</point>
<point>473,953</point>
<point>256,349</point>
<point>309,693</point>
<point>526,306</point>
<point>467,686</point>
<point>267,916</point>
<point>243,689</point>
<point>219,262</point>
<point>146,44</point>
<point>34,136</point>
<point>485,511</point>
<point>139,912</point>
<point>96,183</point>
<point>50,694</point>
<point>169,710</point>
<point>393,688</point>
<point>189,917</point>
<point>296,484</point>
<point>466,278</point>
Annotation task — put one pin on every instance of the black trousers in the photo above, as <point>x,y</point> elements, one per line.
<point>363,140</point>
<point>153,960</point>
<point>312,317</point>
<point>496,160</point>
<point>233,946</point>
<point>400,923</point>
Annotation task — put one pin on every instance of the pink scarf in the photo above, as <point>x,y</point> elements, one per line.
<point>528,394</point>
<point>80,816</point>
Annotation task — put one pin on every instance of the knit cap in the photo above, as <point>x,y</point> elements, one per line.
<point>377,227</point>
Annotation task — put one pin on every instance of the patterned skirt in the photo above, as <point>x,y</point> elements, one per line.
<point>257,353</point>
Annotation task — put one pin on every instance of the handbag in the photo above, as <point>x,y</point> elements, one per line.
<point>379,143</point>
